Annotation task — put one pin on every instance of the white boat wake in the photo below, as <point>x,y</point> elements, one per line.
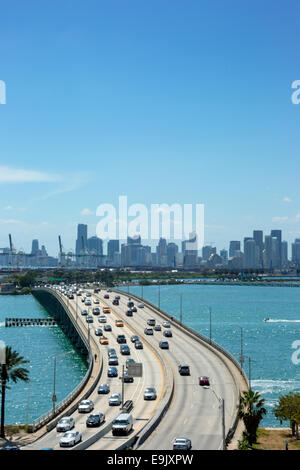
<point>271,320</point>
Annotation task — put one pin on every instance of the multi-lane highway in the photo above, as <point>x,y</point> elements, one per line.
<point>194,411</point>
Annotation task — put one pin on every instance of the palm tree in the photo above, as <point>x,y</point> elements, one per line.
<point>11,370</point>
<point>251,411</point>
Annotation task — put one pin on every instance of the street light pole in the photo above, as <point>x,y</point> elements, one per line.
<point>159,296</point>
<point>210,325</point>
<point>181,309</point>
<point>54,383</point>
<point>222,406</point>
<point>122,385</point>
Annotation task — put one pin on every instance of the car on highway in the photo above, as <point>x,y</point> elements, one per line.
<point>129,361</point>
<point>96,311</point>
<point>88,294</point>
<point>119,323</point>
<point>138,345</point>
<point>87,302</point>
<point>122,424</point>
<point>130,304</point>
<point>106,296</point>
<point>141,305</point>
<point>103,389</point>
<point>85,406</point>
<point>103,340</point>
<point>107,328</point>
<point>106,310</point>
<point>157,327</point>
<point>166,324</point>
<point>89,319</point>
<point>70,438</point>
<point>65,424</point>
<point>112,372</point>
<point>96,302</point>
<point>125,350</point>
<point>164,345</point>
<point>204,380</point>
<point>184,369</point>
<point>134,338</point>
<point>128,405</point>
<point>121,339</point>
<point>129,313</point>
<point>98,332</point>
<point>111,352</point>
<point>182,443</point>
<point>115,399</point>
<point>113,361</point>
<point>95,419</point>
<point>150,393</point>
<point>134,309</point>
<point>168,333</point>
<point>115,302</point>
<point>151,321</point>
<point>102,319</point>
<point>117,297</point>
<point>148,331</point>
<point>84,312</point>
<point>127,378</point>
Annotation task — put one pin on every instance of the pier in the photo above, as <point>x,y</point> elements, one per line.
<point>11,322</point>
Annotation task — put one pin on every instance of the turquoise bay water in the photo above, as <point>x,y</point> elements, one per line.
<point>39,345</point>
<point>269,344</point>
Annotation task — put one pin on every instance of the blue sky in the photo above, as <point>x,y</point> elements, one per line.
<point>164,101</point>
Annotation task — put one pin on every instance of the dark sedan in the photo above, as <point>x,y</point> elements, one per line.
<point>112,372</point>
<point>168,333</point>
<point>95,419</point>
<point>103,389</point>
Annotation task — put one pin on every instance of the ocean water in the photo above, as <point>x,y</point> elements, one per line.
<point>39,345</point>
<point>238,314</point>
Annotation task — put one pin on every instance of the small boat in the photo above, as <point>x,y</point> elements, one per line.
<point>267,319</point>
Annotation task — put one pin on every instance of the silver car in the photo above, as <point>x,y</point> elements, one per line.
<point>150,394</point>
<point>85,406</point>
<point>70,438</point>
<point>182,443</point>
<point>115,399</point>
<point>65,424</point>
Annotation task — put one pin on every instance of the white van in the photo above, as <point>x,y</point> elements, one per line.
<point>122,424</point>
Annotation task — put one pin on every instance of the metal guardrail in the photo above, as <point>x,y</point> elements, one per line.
<point>49,415</point>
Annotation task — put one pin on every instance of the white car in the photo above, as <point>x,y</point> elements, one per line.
<point>96,302</point>
<point>65,424</point>
<point>115,399</point>
<point>166,324</point>
<point>70,438</point>
<point>102,319</point>
<point>141,305</point>
<point>85,406</point>
<point>182,443</point>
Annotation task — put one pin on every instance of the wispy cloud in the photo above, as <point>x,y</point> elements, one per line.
<point>287,199</point>
<point>280,219</point>
<point>19,175</point>
<point>86,212</point>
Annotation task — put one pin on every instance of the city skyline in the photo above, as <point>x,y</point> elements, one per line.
<point>259,251</point>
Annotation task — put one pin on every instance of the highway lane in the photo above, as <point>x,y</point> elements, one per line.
<point>133,391</point>
<point>195,412</point>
